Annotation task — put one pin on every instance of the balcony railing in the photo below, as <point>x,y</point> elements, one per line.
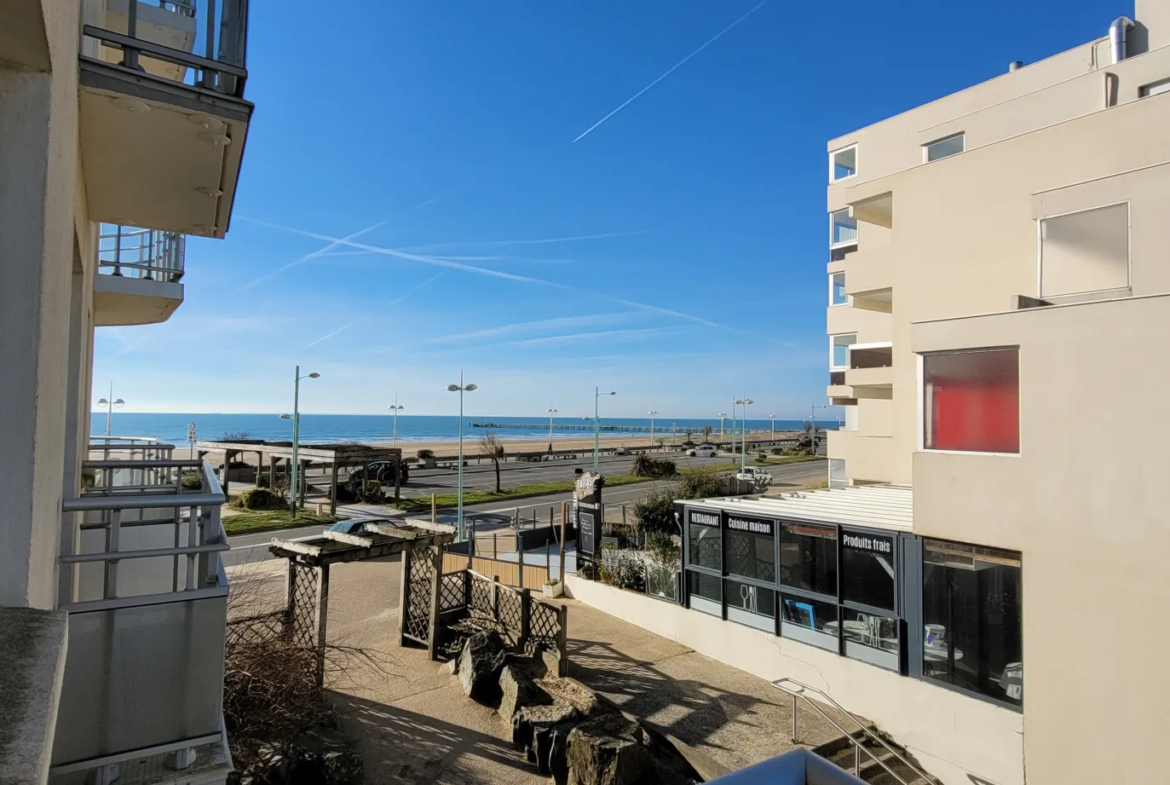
<point>146,592</point>
<point>141,253</point>
<point>129,448</point>
<point>136,30</point>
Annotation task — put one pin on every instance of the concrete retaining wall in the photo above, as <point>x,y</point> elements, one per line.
<point>957,738</point>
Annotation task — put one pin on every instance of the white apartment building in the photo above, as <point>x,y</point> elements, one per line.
<point>984,575</point>
<point>122,129</point>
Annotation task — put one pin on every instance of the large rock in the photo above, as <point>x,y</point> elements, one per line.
<point>479,666</point>
<point>323,755</point>
<point>609,750</point>
<point>532,720</point>
<point>517,690</point>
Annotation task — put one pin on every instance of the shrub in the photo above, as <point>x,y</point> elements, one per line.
<point>624,569</point>
<point>425,454</point>
<point>368,491</point>
<point>260,499</point>
<point>762,457</point>
<point>192,481</point>
<point>645,466</point>
<point>654,513</point>
<point>777,451</point>
<point>702,484</point>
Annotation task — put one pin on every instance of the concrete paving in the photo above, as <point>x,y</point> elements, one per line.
<point>412,723</point>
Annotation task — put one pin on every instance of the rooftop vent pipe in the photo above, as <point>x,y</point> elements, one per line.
<point>1117,34</point>
<point>1015,65</point>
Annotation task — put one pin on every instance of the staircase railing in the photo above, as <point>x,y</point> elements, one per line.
<point>797,690</point>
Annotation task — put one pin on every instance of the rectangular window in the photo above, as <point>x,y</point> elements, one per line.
<point>972,609</point>
<point>943,148</point>
<point>871,638</point>
<point>704,546</point>
<point>755,600</point>
<point>810,621</point>
<point>837,294</point>
<point>842,228</point>
<point>838,474</point>
<point>971,401</point>
<point>704,592</point>
<point>839,349</point>
<point>1145,91</point>
<point>867,569</point>
<point>1085,252</point>
<point>843,164</point>
<point>808,558</point>
<point>750,548</point>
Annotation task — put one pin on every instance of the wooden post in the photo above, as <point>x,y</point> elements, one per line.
<point>333,488</point>
<point>434,509</point>
<point>563,641</point>
<point>322,618</point>
<point>520,556</point>
<point>436,589</point>
<point>403,598</point>
<point>564,520</point>
<point>272,472</point>
<point>496,597</point>
<point>525,615</point>
<point>290,601</point>
<point>495,545</point>
<point>550,516</point>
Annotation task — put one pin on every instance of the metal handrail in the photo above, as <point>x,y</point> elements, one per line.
<point>858,747</point>
<point>142,253</point>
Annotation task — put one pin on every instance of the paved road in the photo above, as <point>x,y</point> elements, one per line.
<point>254,547</point>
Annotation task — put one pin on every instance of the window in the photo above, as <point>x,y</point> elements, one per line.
<point>1086,251</point>
<point>704,546</point>
<point>750,548</point>
<point>867,569</point>
<point>704,592</point>
<point>842,228</point>
<point>1145,91</point>
<point>843,164</point>
<point>810,621</point>
<point>871,638</point>
<point>751,599</point>
<point>837,294</point>
<point>839,349</point>
<point>971,609</point>
<point>808,558</point>
<point>943,148</point>
<point>971,401</point>
<point>838,474</point>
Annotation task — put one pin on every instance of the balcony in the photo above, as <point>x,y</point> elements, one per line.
<point>139,276</point>
<point>867,458</point>
<point>869,278</point>
<point>871,370</point>
<point>163,118</point>
<point>146,593</point>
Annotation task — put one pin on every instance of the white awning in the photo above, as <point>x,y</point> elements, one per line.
<point>878,506</point>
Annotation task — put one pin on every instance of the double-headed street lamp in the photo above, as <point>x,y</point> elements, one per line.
<point>295,478</point>
<point>744,402</point>
<point>597,393</point>
<point>550,412</point>
<point>396,409</point>
<point>772,417</point>
<point>110,403</point>
<point>652,427</point>
<point>722,415</point>
<point>460,388</point>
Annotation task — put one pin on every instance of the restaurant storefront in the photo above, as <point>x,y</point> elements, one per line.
<point>946,612</point>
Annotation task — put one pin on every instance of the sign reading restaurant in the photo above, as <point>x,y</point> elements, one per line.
<point>703,518</point>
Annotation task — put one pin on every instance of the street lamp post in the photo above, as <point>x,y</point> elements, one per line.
<point>110,403</point>
<point>745,402</point>
<point>772,417</point>
<point>396,409</point>
<point>460,388</point>
<point>652,427</point>
<point>812,420</point>
<point>597,393</point>
<point>550,411</point>
<point>721,416</point>
<point>295,475</point>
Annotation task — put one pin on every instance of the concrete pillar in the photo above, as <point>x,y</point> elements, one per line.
<point>39,252</point>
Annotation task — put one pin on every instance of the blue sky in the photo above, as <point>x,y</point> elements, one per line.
<point>675,253</point>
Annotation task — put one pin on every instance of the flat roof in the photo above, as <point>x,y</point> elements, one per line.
<point>877,506</point>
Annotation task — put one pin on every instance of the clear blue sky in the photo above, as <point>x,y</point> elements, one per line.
<point>450,125</point>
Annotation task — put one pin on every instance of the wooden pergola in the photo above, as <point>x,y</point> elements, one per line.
<point>335,456</point>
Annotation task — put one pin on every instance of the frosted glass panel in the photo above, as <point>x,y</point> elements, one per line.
<point>1085,252</point>
<point>972,401</point>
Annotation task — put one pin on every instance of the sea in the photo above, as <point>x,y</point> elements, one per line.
<point>324,428</point>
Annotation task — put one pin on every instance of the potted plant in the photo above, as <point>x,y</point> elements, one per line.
<point>554,588</point>
<point>427,458</point>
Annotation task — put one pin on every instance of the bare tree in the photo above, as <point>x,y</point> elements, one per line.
<point>707,433</point>
<point>491,446</point>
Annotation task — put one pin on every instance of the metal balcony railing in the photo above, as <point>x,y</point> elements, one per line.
<point>217,32</point>
<point>129,448</point>
<point>141,253</point>
<point>146,592</point>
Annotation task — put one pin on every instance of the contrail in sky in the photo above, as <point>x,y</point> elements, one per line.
<point>669,71</point>
<point>396,301</point>
<point>306,257</point>
<point>542,241</point>
<point>468,268</point>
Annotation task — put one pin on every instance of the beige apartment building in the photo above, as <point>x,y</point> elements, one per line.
<point>997,282</point>
<point>122,129</point>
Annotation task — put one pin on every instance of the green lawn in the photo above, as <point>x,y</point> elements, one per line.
<point>252,521</point>
<point>780,460</point>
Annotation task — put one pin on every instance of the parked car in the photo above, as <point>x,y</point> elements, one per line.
<point>382,471</point>
<point>621,450</point>
<point>754,474</point>
<point>359,525</point>
<point>703,451</point>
